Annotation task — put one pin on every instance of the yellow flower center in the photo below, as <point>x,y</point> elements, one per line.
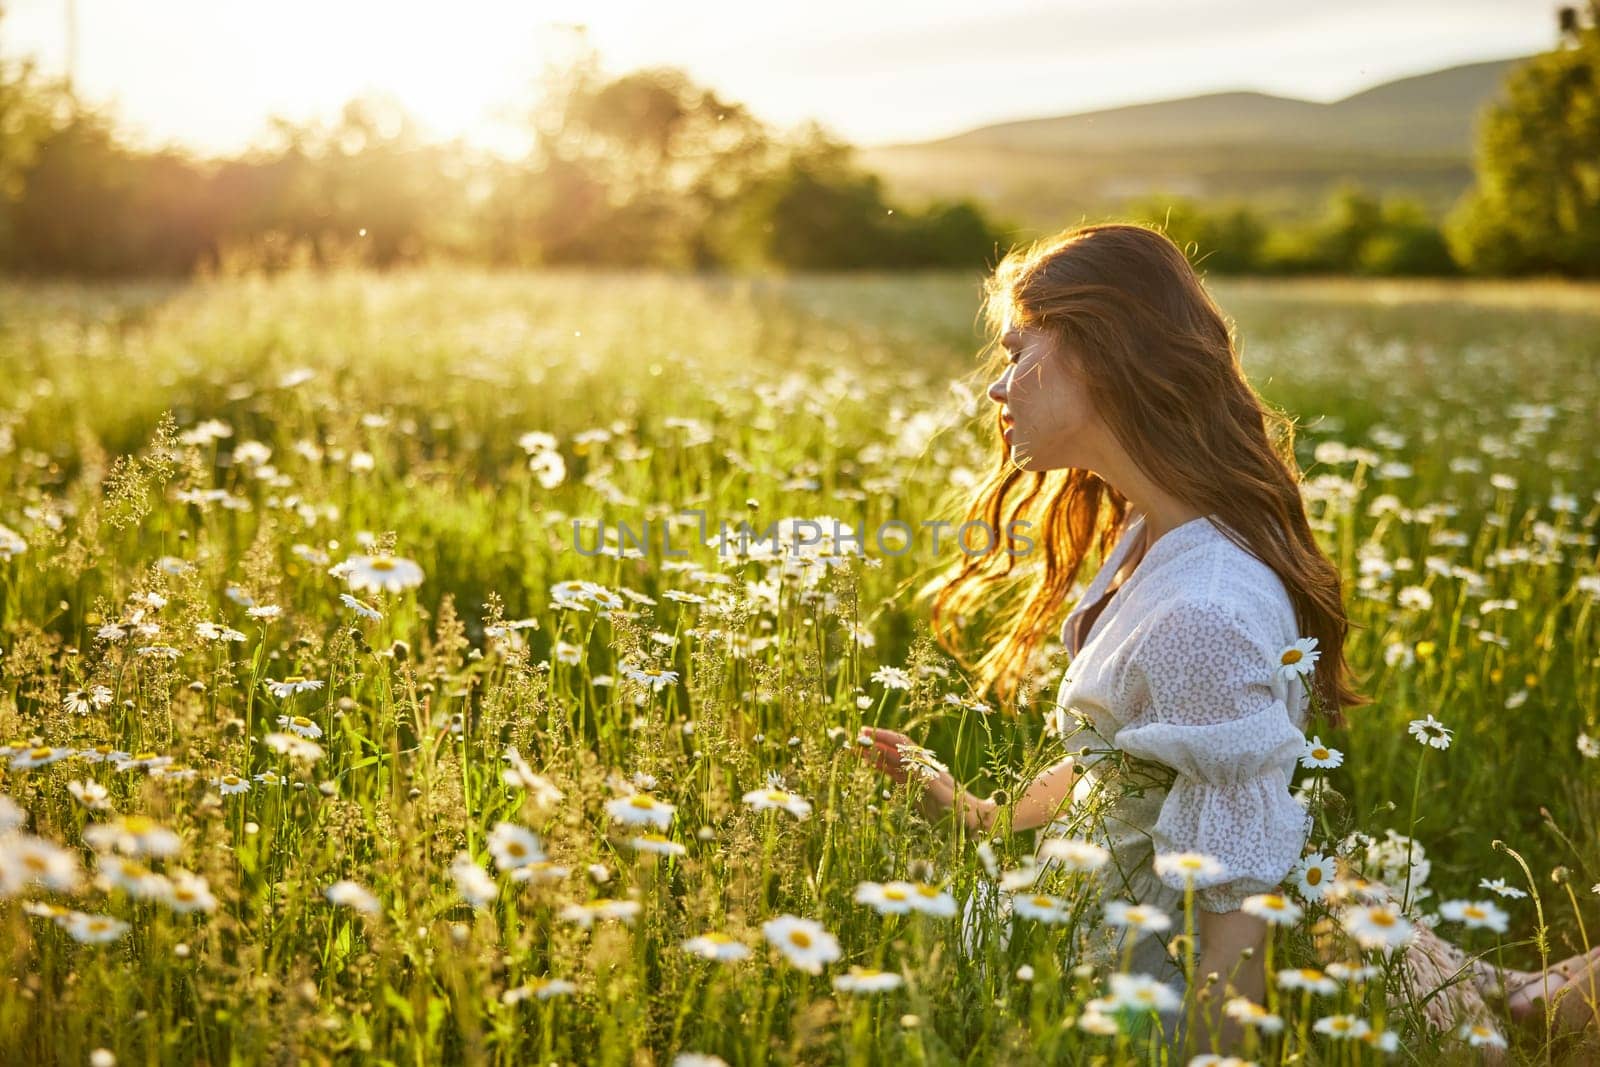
<point>639,800</point>
<point>1042,902</point>
<point>293,678</point>
<point>138,824</point>
<point>719,938</point>
<point>515,848</point>
<point>894,894</point>
<point>1293,655</point>
<point>929,891</point>
<point>1319,753</point>
<point>40,753</point>
<point>1472,912</point>
<point>1314,876</point>
<point>800,938</point>
<point>1379,917</point>
<point>382,563</point>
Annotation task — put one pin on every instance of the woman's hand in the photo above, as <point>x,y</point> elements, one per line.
<point>939,792</point>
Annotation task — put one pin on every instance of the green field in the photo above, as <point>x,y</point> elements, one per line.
<point>1458,486</point>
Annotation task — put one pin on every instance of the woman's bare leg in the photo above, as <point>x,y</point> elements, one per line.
<point>1578,1004</point>
<point>1525,989</point>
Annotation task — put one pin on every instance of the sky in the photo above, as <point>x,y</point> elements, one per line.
<point>207,74</point>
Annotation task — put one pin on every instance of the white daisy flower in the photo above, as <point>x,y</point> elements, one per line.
<point>381,574</point>
<point>569,654</point>
<point>1498,885</point>
<point>1143,993</point>
<point>1342,1027</point>
<point>360,607</point>
<point>1478,1035</point>
<point>28,860</point>
<point>90,794</point>
<point>866,980</point>
<point>92,929</point>
<point>640,809</point>
<point>1382,1040</point>
<point>921,761</point>
<point>539,872</point>
<point>1190,866</point>
<point>1073,854</point>
<point>1247,1012</point>
<point>892,678</point>
<point>1309,979</point>
<point>1314,876</point>
<point>541,988</point>
<point>658,844</point>
<point>585,914</point>
<point>229,784</point>
<point>768,799</point>
<point>803,942</point>
<point>1476,915</point>
<point>890,898</point>
<point>1379,926</point>
<point>514,846</point>
<point>520,775</point>
<point>189,892</point>
<point>1139,918</point>
<point>1041,907</point>
<point>548,467</point>
<point>716,946</point>
<point>293,745</point>
<point>473,882</point>
<point>1277,910</point>
<point>1299,659</point>
<point>1588,747</point>
<point>264,611</point>
<point>1353,973</point>
<point>301,725</point>
<point>1430,731</point>
<point>353,895</point>
<point>39,757</point>
<point>291,685</point>
<point>135,835</point>
<point>1317,756</point>
<point>130,876</point>
<point>698,1059</point>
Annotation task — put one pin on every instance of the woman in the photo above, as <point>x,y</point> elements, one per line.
<point>1131,431</point>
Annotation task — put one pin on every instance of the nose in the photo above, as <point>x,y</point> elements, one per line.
<point>999,388</point>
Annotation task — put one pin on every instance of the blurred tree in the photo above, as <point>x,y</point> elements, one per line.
<point>1536,204</point>
<point>1227,240</point>
<point>30,107</point>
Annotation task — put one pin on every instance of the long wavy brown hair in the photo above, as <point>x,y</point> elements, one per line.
<point>1164,375</point>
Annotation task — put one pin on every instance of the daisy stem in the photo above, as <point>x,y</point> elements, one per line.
<point>1411,829</point>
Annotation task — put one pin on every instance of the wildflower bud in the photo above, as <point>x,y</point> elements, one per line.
<point>753,504</point>
<point>399,650</point>
<point>181,950</point>
<point>1247,952</point>
<point>1561,876</point>
<point>414,793</point>
<point>197,686</point>
<point>910,1021</point>
<point>252,827</point>
<point>328,789</point>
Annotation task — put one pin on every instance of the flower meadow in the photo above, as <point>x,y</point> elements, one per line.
<point>327,736</point>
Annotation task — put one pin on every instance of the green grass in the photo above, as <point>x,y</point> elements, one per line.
<point>751,400</point>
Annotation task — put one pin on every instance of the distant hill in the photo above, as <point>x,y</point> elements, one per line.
<point>1412,136</point>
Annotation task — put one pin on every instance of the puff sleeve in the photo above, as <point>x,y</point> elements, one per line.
<point>1206,701</point>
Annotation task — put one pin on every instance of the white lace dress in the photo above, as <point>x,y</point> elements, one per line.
<point>1180,672</point>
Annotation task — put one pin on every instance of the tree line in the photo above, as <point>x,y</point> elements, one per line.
<point>648,169</point>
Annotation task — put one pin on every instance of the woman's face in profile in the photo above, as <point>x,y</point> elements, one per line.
<point>1046,416</point>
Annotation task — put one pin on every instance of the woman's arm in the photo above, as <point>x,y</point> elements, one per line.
<point>1231,947</point>
<point>1040,802</point>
